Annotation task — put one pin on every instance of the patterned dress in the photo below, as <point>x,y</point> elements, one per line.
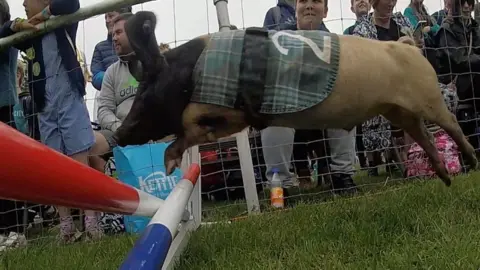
<point>377,131</point>
<point>417,163</point>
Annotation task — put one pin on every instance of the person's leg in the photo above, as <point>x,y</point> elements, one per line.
<point>51,137</point>
<point>342,149</point>
<point>102,146</point>
<point>362,157</point>
<point>319,150</point>
<point>10,217</point>
<point>11,214</point>
<point>393,161</point>
<point>6,115</point>
<point>277,146</point>
<point>78,138</point>
<point>91,217</point>
<point>300,153</point>
<point>376,138</point>
<point>369,142</point>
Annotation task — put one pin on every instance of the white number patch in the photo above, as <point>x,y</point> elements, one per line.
<point>324,55</point>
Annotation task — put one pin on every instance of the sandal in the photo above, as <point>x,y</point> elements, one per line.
<point>92,229</point>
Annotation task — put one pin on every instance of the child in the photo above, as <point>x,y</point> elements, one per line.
<point>18,113</point>
<point>57,87</point>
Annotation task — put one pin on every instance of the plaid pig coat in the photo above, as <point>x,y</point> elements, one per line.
<point>282,71</point>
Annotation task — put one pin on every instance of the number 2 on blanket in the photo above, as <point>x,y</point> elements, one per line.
<point>322,55</point>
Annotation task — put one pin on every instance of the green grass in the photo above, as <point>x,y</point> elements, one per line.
<point>414,225</point>
<point>213,211</point>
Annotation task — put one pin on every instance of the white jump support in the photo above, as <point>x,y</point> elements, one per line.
<point>195,202</point>
<point>180,240</point>
<point>101,7</point>
<point>243,142</point>
<point>248,175</point>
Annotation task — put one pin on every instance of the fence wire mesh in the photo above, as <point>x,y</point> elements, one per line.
<point>314,160</point>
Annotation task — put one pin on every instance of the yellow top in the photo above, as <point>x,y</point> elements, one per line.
<point>86,73</point>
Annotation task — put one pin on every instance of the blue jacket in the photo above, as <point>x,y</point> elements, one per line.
<point>34,51</point>
<point>8,77</point>
<point>287,16</point>
<point>103,56</point>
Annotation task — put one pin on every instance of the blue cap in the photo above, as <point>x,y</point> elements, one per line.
<point>275,170</point>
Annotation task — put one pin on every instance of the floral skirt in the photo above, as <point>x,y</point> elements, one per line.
<point>418,164</point>
<point>376,134</point>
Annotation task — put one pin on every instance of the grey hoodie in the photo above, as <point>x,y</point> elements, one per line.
<point>116,95</point>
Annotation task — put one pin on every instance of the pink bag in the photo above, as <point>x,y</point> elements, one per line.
<point>418,164</point>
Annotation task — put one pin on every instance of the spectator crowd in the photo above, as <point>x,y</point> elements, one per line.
<point>448,39</point>
<point>42,95</point>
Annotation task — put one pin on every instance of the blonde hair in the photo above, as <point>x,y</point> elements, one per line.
<point>81,60</point>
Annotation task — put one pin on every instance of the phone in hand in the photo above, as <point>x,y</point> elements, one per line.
<point>418,32</point>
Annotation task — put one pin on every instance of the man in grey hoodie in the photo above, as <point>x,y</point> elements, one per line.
<point>116,95</point>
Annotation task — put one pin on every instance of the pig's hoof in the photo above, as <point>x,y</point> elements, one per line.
<point>170,166</point>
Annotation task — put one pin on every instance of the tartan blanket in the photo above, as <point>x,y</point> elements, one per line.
<point>301,70</point>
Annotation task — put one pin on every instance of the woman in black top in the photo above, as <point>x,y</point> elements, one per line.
<point>383,25</point>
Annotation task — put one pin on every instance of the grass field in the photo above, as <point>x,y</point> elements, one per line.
<point>414,225</point>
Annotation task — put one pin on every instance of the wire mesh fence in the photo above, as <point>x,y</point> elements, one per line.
<point>318,166</point>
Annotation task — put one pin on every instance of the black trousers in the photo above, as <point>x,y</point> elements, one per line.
<point>307,142</point>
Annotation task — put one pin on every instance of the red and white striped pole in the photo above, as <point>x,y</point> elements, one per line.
<point>33,172</point>
<point>152,247</point>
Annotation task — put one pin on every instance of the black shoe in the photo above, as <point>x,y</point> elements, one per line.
<point>342,184</point>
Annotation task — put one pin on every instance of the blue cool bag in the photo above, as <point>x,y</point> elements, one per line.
<point>142,167</point>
